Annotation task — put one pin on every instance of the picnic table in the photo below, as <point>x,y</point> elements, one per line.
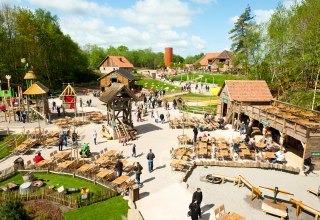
<point>110,153</point>
<point>43,163</point>
<point>223,153</point>
<point>203,151</point>
<point>102,160</point>
<point>270,155</point>
<point>246,152</point>
<point>51,140</point>
<point>180,152</point>
<point>62,155</point>
<point>183,139</point>
<point>66,164</point>
<point>232,216</point>
<point>104,173</point>
<point>120,180</point>
<point>243,146</point>
<point>222,140</point>
<point>260,145</point>
<point>53,134</point>
<point>204,139</point>
<point>178,164</point>
<point>202,144</point>
<point>85,168</point>
<point>222,146</point>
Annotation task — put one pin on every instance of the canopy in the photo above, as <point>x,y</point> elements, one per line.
<point>36,89</point>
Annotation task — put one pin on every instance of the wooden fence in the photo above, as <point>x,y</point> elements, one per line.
<point>63,199</point>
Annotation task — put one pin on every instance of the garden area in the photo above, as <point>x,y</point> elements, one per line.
<point>206,78</point>
<point>157,85</point>
<point>47,203</point>
<point>193,97</point>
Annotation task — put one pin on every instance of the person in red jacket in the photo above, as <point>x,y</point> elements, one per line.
<point>38,158</point>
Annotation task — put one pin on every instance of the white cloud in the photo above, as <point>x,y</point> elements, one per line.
<point>198,42</point>
<point>233,20</point>
<point>206,2</point>
<point>74,6</point>
<point>262,16</point>
<point>171,13</point>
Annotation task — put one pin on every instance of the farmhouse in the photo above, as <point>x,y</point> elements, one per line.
<point>111,63</point>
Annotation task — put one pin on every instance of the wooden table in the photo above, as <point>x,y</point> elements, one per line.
<point>104,173</point>
<point>222,140</point>
<point>53,134</point>
<point>102,160</point>
<point>233,216</point>
<point>223,153</point>
<point>270,155</point>
<point>203,151</point>
<point>180,152</point>
<point>202,144</point>
<point>110,153</point>
<point>30,142</point>
<point>85,168</point>
<point>120,180</point>
<point>222,146</point>
<point>43,163</point>
<point>246,152</point>
<point>62,155</point>
<point>178,164</point>
<point>204,139</point>
<point>66,164</point>
<point>243,146</point>
<point>260,145</point>
<point>51,140</point>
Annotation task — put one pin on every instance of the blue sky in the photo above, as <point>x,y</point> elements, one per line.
<point>189,26</point>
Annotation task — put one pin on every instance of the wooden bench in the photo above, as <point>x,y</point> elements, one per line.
<point>300,205</point>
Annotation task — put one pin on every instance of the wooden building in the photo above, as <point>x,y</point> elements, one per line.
<point>116,76</point>
<point>297,129</point>
<point>111,63</point>
<point>213,61</point>
<point>118,99</point>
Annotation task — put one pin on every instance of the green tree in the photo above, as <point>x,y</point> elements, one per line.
<point>13,210</point>
<point>240,39</point>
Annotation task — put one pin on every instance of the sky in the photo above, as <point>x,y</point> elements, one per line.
<point>188,26</point>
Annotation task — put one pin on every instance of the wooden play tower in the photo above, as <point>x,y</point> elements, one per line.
<point>69,98</point>
<point>118,99</point>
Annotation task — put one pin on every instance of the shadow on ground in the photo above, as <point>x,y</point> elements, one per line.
<point>148,180</point>
<point>147,128</point>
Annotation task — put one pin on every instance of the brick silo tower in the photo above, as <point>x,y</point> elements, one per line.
<point>167,56</point>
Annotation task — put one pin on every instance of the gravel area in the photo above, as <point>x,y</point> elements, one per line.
<point>238,199</point>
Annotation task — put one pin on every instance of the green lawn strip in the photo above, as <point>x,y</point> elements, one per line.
<point>193,97</point>
<point>207,77</point>
<point>6,149</point>
<point>57,181</point>
<point>111,209</point>
<point>200,109</point>
<point>158,85</point>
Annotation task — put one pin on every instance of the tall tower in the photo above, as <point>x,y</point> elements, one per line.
<point>167,56</point>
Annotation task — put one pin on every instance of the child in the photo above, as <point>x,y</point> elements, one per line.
<point>124,141</point>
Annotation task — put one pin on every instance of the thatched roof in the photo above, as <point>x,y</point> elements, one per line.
<point>247,90</point>
<point>30,75</point>
<point>112,92</point>
<point>36,89</point>
<point>68,91</point>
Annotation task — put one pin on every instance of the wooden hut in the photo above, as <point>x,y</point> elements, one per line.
<point>69,98</point>
<point>118,99</point>
<point>37,100</point>
<point>117,76</point>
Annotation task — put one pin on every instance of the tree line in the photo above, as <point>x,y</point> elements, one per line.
<point>36,37</point>
<point>285,51</point>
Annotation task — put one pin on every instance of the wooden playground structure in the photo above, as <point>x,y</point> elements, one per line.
<point>271,206</point>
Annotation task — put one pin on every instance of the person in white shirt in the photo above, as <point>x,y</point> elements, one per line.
<point>280,157</point>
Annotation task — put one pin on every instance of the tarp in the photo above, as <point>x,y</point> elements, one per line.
<point>215,91</point>
<point>70,100</point>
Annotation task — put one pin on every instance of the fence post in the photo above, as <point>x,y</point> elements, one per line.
<point>7,130</point>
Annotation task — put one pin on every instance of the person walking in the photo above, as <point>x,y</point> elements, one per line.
<point>119,167</point>
<point>194,210</point>
<point>74,138</point>
<point>197,196</point>
<point>138,169</point>
<point>134,150</point>
<point>195,134</point>
<point>150,157</point>
<point>54,105</point>
<point>60,143</point>
<point>80,102</point>
<point>65,138</point>
<point>94,135</point>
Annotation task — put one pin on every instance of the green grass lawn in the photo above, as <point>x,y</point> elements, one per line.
<point>6,149</point>
<point>158,85</point>
<point>200,109</point>
<point>193,97</point>
<point>206,77</point>
<point>57,181</point>
<point>111,209</point>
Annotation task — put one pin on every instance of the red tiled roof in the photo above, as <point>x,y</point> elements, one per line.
<point>248,90</point>
<point>121,61</point>
<point>204,60</point>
